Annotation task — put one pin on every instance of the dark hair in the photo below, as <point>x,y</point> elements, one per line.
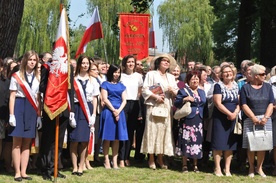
<point>112,68</point>
<point>157,63</point>
<point>192,73</point>
<point>79,62</point>
<point>14,70</point>
<point>124,61</point>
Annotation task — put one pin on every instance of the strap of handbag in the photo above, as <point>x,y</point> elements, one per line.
<point>187,91</point>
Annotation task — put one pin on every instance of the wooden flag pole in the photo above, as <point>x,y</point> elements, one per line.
<point>56,150</point>
<point>57,128</point>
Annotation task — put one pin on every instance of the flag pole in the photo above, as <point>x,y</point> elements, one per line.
<point>57,128</point>
<point>56,150</point>
<point>105,53</point>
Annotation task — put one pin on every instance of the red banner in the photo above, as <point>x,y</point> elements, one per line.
<point>134,35</point>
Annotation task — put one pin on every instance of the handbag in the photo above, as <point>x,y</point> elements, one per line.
<point>260,140</point>
<point>238,127</point>
<point>160,111</point>
<point>185,110</point>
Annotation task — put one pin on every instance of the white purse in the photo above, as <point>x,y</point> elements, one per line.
<point>160,111</point>
<point>260,140</point>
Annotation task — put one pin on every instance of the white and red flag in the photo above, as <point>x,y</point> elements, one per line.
<point>55,101</point>
<point>93,31</point>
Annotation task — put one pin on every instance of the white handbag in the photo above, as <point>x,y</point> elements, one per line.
<point>160,111</point>
<point>260,140</point>
<point>185,110</point>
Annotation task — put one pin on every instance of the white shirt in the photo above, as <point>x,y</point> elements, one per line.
<point>14,85</point>
<point>92,88</point>
<point>132,83</point>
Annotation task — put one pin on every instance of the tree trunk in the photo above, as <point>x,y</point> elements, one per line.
<point>11,12</point>
<point>246,12</point>
<point>268,34</point>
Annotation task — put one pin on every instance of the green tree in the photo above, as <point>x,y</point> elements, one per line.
<point>39,26</point>
<point>187,26</point>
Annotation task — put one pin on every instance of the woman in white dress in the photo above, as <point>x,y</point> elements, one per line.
<point>157,137</point>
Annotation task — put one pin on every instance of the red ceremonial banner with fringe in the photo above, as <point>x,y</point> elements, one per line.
<point>134,35</point>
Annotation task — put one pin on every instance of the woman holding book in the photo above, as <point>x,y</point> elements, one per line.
<point>157,137</point>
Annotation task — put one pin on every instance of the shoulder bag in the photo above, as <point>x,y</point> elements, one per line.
<point>185,110</point>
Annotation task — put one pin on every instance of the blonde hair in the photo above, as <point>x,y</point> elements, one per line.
<point>24,62</point>
<point>255,69</point>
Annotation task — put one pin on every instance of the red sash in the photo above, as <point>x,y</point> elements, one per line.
<point>82,99</point>
<point>84,106</point>
<point>27,91</point>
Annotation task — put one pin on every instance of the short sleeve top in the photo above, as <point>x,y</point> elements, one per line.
<point>257,99</point>
<point>14,85</point>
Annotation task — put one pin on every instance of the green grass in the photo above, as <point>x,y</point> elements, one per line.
<point>139,172</point>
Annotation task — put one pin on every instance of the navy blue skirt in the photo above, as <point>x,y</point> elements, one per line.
<point>82,132</point>
<point>26,117</point>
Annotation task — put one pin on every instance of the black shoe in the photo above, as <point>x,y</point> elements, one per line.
<point>74,173</point>
<point>59,175</point>
<point>27,178</point>
<point>46,176</point>
<point>79,173</point>
<point>18,179</point>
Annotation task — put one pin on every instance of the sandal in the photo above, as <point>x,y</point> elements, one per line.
<point>196,169</point>
<point>184,169</point>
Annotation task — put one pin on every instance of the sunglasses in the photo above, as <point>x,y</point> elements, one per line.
<point>262,74</point>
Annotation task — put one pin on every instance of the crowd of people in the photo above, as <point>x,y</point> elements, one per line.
<point>119,104</point>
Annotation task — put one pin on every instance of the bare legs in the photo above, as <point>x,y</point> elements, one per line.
<point>74,155</point>
<point>260,160</point>
<point>20,155</point>
<point>115,149</point>
<point>227,157</point>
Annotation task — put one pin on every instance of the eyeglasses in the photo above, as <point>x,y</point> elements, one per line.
<point>262,74</point>
<point>139,64</point>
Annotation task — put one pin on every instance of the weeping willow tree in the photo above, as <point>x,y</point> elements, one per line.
<point>186,26</point>
<point>39,26</point>
<point>108,10</point>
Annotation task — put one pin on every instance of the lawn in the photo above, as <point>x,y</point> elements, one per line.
<point>139,172</point>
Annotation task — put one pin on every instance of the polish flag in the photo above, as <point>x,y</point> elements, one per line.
<point>93,31</point>
<point>151,36</point>
<point>55,101</point>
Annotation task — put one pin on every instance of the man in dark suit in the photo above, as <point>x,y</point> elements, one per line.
<point>48,131</point>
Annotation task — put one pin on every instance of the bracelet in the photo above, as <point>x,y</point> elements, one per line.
<point>267,117</point>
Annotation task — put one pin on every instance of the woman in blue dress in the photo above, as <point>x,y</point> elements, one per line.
<point>24,106</point>
<point>113,123</point>
<point>226,109</point>
<point>190,135</point>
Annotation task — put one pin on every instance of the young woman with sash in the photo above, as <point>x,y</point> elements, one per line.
<point>24,108</point>
<point>85,100</point>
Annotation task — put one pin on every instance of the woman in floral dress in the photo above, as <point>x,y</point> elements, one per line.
<point>190,135</point>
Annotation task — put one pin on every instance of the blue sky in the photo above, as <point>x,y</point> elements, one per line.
<point>78,5</point>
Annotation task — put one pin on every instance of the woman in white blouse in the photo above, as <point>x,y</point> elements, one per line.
<point>85,100</point>
<point>133,82</point>
<point>24,111</point>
